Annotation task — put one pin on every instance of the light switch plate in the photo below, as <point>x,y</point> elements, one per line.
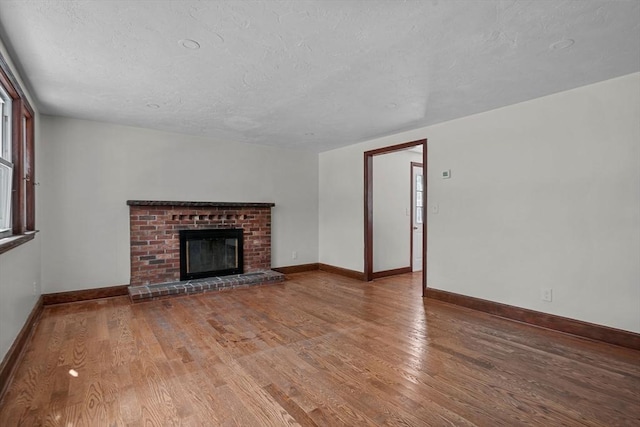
<point>446,174</point>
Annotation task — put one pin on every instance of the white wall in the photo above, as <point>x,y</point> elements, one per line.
<point>391,207</point>
<point>544,193</point>
<point>91,169</point>
<point>20,289</point>
<point>20,278</point>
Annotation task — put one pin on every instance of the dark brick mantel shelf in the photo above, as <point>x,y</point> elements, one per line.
<point>200,204</point>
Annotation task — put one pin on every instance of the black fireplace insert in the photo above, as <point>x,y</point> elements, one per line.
<point>210,252</point>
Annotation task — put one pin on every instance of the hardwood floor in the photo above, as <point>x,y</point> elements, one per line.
<point>319,349</point>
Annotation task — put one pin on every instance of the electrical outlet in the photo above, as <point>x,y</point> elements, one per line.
<point>546,294</point>
<point>35,288</point>
<point>294,255</point>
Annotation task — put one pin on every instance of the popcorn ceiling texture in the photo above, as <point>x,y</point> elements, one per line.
<point>312,75</point>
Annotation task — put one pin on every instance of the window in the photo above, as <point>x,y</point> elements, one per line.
<point>6,163</point>
<point>17,186</point>
<point>419,200</point>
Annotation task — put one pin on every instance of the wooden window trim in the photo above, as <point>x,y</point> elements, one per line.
<point>30,167</point>
<point>9,243</point>
<point>23,159</point>
<point>17,154</point>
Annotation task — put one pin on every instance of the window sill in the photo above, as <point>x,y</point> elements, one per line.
<point>9,243</point>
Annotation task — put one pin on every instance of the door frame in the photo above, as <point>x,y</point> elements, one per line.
<point>368,206</point>
<point>411,201</point>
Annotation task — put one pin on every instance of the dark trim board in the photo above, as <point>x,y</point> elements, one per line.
<point>84,294</point>
<point>13,356</point>
<point>297,268</point>
<point>11,78</point>
<point>16,240</point>
<point>368,206</point>
<point>388,273</point>
<point>341,271</point>
<point>550,321</point>
<point>322,267</point>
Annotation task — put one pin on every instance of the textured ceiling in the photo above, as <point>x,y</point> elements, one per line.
<point>313,75</point>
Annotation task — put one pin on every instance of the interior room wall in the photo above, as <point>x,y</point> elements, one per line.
<point>542,194</point>
<point>91,169</point>
<point>20,274</point>
<point>391,209</point>
<point>20,288</point>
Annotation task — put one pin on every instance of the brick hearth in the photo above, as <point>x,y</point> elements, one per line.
<point>164,290</point>
<point>155,226</point>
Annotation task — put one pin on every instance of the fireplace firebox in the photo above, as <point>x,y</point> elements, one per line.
<point>210,252</point>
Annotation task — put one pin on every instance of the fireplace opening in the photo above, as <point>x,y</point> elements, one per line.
<point>210,252</point>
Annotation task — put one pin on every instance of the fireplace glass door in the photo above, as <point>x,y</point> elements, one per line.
<point>208,253</point>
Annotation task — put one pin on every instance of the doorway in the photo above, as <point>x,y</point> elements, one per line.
<point>368,206</point>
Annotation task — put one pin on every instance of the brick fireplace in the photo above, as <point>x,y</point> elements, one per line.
<point>155,227</point>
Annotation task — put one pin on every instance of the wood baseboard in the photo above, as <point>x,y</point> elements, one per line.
<point>84,294</point>
<point>325,267</point>
<point>550,321</point>
<point>297,268</point>
<point>13,356</point>
<point>341,271</point>
<point>387,273</point>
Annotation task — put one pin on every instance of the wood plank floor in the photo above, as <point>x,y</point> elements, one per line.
<point>319,349</point>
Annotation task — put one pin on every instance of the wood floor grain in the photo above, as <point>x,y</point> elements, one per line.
<point>317,350</point>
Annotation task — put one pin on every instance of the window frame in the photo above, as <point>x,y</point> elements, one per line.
<point>6,160</point>
<point>22,151</point>
<point>5,209</point>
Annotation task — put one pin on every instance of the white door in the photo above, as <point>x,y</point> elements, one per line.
<point>418,192</point>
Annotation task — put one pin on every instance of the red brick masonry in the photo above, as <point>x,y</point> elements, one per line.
<point>155,245</point>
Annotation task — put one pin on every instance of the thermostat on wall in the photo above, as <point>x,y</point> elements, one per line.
<point>446,174</point>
